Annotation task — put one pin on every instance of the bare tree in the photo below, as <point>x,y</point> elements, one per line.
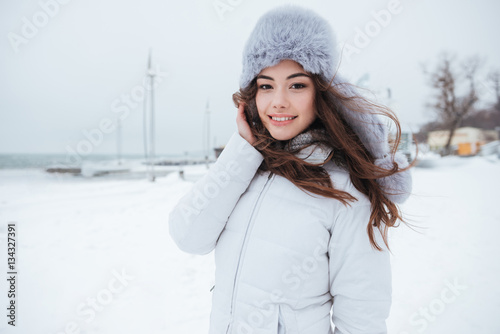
<point>450,107</point>
<point>494,78</point>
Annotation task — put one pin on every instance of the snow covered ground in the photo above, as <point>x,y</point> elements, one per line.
<point>95,256</point>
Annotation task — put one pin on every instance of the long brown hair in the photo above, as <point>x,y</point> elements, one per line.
<point>348,152</point>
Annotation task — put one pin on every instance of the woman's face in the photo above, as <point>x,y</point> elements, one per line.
<point>285,99</point>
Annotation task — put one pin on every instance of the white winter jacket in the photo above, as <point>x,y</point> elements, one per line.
<point>283,257</point>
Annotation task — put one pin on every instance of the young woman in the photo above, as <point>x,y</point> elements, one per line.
<point>298,205</point>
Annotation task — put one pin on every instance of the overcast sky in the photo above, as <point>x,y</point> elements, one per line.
<point>67,67</point>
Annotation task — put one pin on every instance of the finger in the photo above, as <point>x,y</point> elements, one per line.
<point>241,109</point>
<point>241,112</point>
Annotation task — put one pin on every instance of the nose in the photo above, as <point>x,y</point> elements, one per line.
<point>280,99</point>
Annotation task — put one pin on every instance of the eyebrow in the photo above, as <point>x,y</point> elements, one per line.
<point>289,77</point>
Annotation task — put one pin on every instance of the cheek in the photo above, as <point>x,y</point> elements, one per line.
<point>260,103</point>
<point>307,104</point>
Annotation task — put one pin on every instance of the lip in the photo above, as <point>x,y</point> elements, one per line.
<point>281,123</point>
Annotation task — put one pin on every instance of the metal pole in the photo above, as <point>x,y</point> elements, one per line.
<point>153,157</point>
<point>149,134</point>
<point>119,139</point>
<point>145,130</point>
<point>207,133</point>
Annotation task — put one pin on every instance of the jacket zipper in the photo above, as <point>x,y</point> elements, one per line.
<point>281,322</point>
<point>264,188</point>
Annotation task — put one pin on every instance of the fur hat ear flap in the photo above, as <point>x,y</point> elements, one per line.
<point>368,127</point>
<point>397,187</point>
<point>374,135</point>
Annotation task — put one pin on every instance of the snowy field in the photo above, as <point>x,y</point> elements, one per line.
<point>95,256</point>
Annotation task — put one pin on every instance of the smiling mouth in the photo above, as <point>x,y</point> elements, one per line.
<point>282,119</point>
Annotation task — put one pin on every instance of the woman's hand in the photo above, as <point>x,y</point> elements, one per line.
<point>243,127</point>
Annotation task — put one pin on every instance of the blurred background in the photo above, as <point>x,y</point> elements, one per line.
<point>98,99</point>
<point>66,67</point>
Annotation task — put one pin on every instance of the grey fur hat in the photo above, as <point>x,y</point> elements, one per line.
<point>296,33</point>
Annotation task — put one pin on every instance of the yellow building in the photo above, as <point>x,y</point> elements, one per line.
<point>465,141</point>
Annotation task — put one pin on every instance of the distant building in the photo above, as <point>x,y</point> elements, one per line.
<point>407,144</point>
<point>218,151</point>
<point>465,141</point>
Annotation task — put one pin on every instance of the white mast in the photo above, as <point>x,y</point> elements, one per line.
<point>119,139</point>
<point>206,130</point>
<point>149,124</point>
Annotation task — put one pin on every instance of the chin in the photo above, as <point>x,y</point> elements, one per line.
<point>283,135</point>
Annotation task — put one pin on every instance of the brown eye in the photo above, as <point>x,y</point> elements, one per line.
<point>298,86</point>
<point>265,87</point>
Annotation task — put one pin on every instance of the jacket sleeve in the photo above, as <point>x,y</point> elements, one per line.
<point>199,217</point>
<point>360,275</point>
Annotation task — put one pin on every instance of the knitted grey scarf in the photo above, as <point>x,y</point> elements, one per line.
<point>315,153</point>
<point>305,138</point>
